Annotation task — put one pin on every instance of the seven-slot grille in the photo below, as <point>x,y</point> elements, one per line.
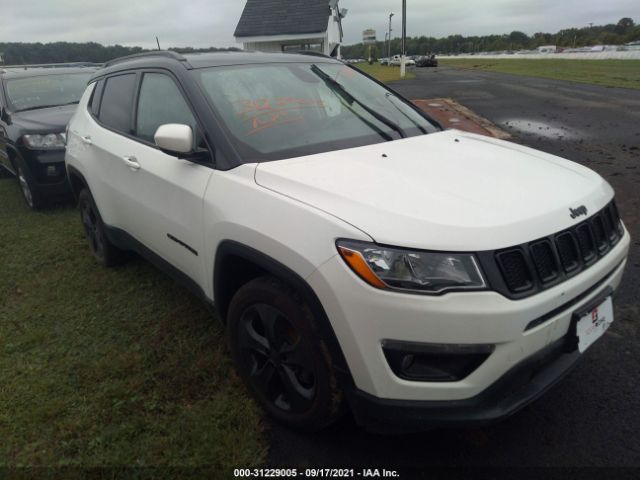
<point>548,261</point>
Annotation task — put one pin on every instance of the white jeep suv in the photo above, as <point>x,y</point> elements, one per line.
<point>358,255</point>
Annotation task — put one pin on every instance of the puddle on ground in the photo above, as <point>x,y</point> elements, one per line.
<point>541,129</point>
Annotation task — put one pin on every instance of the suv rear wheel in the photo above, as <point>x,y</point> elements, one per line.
<point>280,355</point>
<point>104,251</point>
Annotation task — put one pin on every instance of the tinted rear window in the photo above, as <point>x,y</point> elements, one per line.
<point>117,100</point>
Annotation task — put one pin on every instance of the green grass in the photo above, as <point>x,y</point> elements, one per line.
<point>610,73</point>
<point>383,73</point>
<point>109,368</point>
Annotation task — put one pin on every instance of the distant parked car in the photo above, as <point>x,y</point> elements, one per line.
<point>396,60</point>
<point>36,104</point>
<point>427,61</point>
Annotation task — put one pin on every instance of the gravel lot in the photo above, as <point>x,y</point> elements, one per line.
<point>591,419</point>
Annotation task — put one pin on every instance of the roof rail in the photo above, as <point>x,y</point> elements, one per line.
<point>50,65</point>
<point>153,53</point>
<point>311,53</point>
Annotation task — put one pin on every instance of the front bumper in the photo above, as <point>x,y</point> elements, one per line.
<point>521,385</point>
<point>363,318</point>
<point>48,171</point>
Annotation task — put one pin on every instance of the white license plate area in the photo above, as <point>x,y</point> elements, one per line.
<point>592,325</point>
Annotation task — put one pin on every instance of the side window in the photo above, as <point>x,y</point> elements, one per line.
<point>117,98</point>
<point>94,102</point>
<point>161,102</point>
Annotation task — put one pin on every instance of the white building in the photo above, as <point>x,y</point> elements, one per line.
<point>291,25</point>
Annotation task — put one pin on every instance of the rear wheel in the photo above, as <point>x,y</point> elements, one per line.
<point>280,355</point>
<point>104,251</point>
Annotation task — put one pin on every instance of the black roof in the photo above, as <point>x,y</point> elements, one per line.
<point>283,17</point>
<point>219,59</point>
<point>155,59</point>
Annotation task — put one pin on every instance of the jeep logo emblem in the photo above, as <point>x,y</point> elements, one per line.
<point>576,212</point>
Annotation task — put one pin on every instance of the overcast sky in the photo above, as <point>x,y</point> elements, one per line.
<point>203,23</point>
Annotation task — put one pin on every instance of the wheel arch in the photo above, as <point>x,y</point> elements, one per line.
<point>12,153</point>
<point>236,264</point>
<point>76,180</point>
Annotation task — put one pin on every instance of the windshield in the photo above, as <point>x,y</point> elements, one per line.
<point>278,111</point>
<point>29,93</point>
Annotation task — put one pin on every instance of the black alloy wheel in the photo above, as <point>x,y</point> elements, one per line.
<point>27,184</point>
<point>24,186</point>
<point>276,359</point>
<point>281,356</point>
<point>92,229</point>
<point>105,253</point>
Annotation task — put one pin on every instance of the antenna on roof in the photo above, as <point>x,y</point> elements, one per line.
<point>158,42</point>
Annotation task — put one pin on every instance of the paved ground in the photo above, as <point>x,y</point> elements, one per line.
<point>592,418</point>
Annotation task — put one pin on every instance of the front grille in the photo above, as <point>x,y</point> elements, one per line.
<point>529,268</point>
<point>598,232</point>
<point>544,260</point>
<point>515,270</point>
<point>568,251</point>
<point>586,242</point>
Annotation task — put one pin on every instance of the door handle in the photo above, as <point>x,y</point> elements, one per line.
<point>131,162</point>
<point>86,140</point>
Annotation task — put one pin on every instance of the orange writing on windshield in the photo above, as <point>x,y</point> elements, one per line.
<point>264,113</point>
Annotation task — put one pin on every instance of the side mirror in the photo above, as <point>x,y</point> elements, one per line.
<point>174,138</point>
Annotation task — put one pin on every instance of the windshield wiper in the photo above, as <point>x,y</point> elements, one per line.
<point>38,107</point>
<point>420,127</point>
<point>350,99</point>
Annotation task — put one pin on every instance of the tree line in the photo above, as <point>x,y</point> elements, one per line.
<point>612,34</point>
<point>66,52</point>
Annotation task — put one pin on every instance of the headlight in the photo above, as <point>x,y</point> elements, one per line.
<point>45,142</point>
<point>406,270</point>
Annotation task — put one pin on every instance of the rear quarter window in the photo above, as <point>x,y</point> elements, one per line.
<point>94,102</point>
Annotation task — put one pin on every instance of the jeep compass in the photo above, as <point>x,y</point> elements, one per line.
<point>359,256</point>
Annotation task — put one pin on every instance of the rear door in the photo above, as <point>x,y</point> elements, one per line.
<point>104,140</point>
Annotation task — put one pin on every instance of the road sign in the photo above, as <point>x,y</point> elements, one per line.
<point>369,37</point>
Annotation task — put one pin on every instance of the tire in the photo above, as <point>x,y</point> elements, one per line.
<point>104,251</point>
<point>28,186</point>
<point>281,357</point>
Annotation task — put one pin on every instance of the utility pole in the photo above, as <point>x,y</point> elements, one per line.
<point>389,48</point>
<point>404,39</point>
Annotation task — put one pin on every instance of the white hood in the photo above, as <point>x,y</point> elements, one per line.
<point>445,191</point>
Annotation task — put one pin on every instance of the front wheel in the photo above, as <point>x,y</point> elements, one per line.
<point>28,186</point>
<point>280,355</point>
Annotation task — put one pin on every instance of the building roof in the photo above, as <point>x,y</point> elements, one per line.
<point>283,17</point>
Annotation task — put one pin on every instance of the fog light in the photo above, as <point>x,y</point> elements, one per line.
<point>407,361</point>
<point>428,362</point>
